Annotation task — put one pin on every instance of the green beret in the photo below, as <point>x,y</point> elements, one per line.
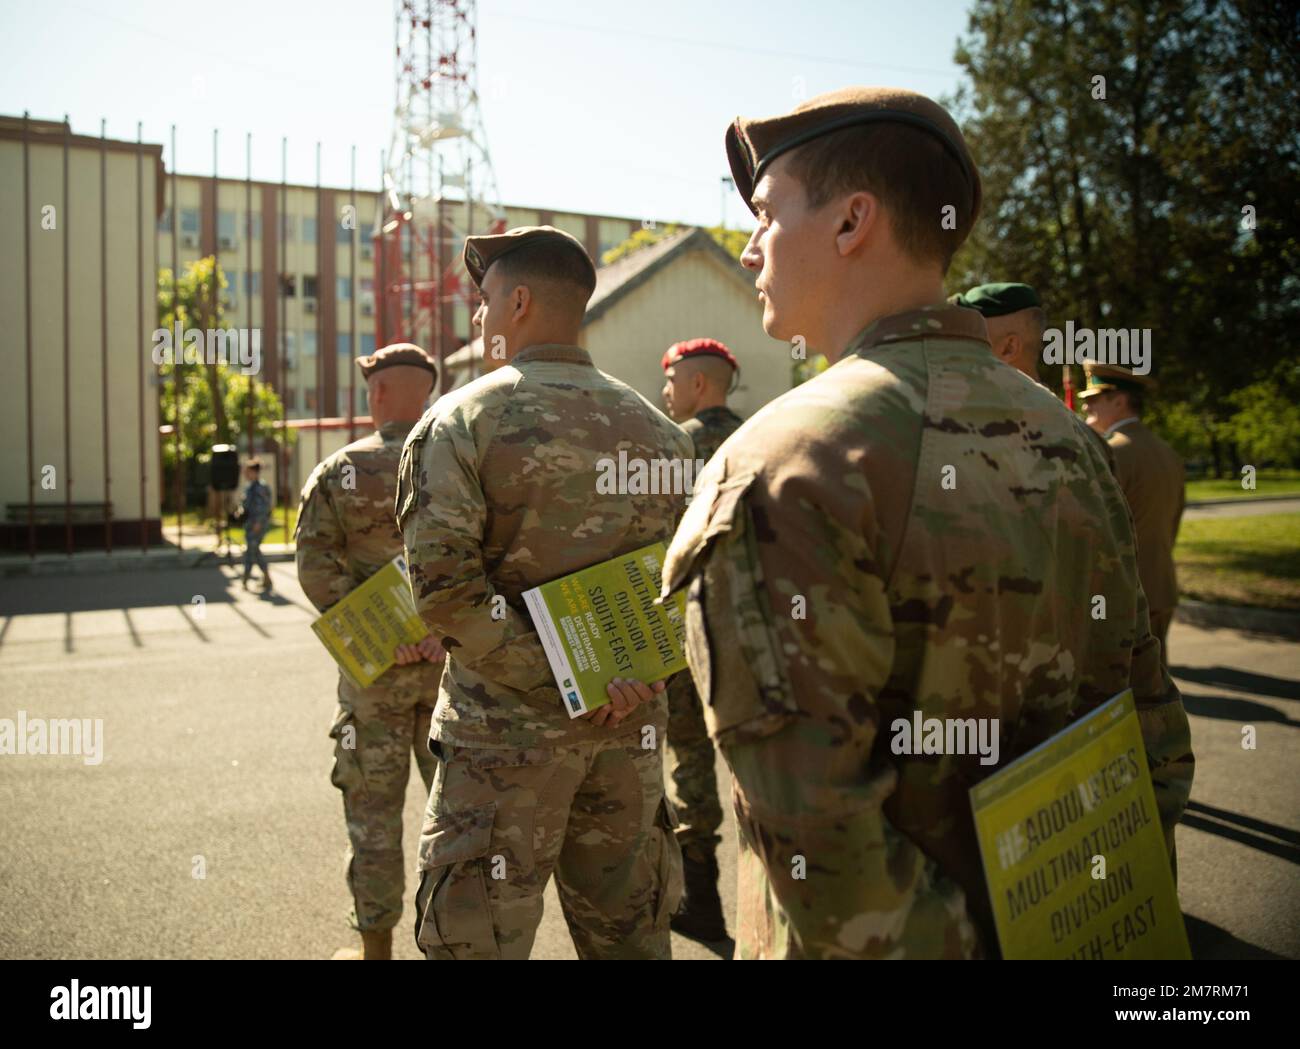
<point>481,252</point>
<point>753,144</point>
<point>997,300</point>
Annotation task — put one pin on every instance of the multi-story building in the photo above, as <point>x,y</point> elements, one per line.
<point>300,266</point>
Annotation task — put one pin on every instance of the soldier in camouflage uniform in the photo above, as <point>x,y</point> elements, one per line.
<point>498,494</point>
<point>698,375</point>
<point>345,534</point>
<point>916,529</point>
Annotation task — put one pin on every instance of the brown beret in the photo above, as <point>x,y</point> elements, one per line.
<point>1103,377</point>
<point>481,252</point>
<point>754,144</point>
<point>398,353</point>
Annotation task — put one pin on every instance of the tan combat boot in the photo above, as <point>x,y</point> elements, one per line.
<point>375,947</point>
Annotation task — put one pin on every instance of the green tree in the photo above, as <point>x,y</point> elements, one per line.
<point>211,398</point>
<point>1127,150</point>
<point>732,241</point>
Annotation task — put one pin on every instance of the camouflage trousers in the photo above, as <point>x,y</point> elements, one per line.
<point>694,788</point>
<point>499,822</point>
<point>375,731</point>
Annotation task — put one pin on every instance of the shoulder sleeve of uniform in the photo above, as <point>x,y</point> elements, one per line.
<point>442,516</point>
<point>1124,456</point>
<point>408,467</point>
<point>320,541</point>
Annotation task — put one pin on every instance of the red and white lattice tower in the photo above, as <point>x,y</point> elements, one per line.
<point>438,182</point>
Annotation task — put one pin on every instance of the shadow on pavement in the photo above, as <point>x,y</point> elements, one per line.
<point>1258,834</point>
<point>1240,681</point>
<point>1242,711</point>
<point>37,595</point>
<point>1211,943</point>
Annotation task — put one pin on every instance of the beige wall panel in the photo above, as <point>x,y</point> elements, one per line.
<point>692,297</point>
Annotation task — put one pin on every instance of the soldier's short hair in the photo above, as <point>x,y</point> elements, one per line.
<point>549,261</point>
<point>908,169</point>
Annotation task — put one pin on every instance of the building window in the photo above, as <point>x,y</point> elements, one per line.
<point>290,400</point>
<point>367,343</point>
<point>345,288</point>
<point>309,286</point>
<point>165,221</point>
<point>290,351</point>
<point>288,285</point>
<point>343,235</point>
<point>232,284</point>
<point>225,230</point>
<point>189,220</point>
<point>345,366</point>
<point>288,227</point>
<point>309,344</point>
<point>308,229</point>
<point>253,227</point>
<point>253,283</point>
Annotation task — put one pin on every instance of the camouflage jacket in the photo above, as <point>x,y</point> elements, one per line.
<point>918,528</point>
<point>498,494</point>
<point>346,529</point>
<point>710,428</point>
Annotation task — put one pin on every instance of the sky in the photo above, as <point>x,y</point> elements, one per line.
<point>612,107</point>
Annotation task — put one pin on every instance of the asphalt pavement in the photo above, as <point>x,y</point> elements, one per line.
<point>215,706</point>
<point>1241,508</point>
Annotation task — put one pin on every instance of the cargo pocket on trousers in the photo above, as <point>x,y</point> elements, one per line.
<point>671,878</point>
<point>453,919</point>
<point>347,774</point>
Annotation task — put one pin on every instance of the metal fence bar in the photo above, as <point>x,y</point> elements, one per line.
<point>320,350</point>
<point>377,239</point>
<point>27,306</point>
<point>181,501</point>
<point>248,286</point>
<point>139,327</point>
<point>282,322</point>
<point>352,311</point>
<point>103,324</point>
<point>67,356</point>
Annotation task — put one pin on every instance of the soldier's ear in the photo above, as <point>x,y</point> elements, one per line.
<point>857,216</point>
<point>521,301</point>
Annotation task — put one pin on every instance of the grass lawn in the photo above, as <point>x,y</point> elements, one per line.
<point>1268,482</point>
<point>1241,560</point>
